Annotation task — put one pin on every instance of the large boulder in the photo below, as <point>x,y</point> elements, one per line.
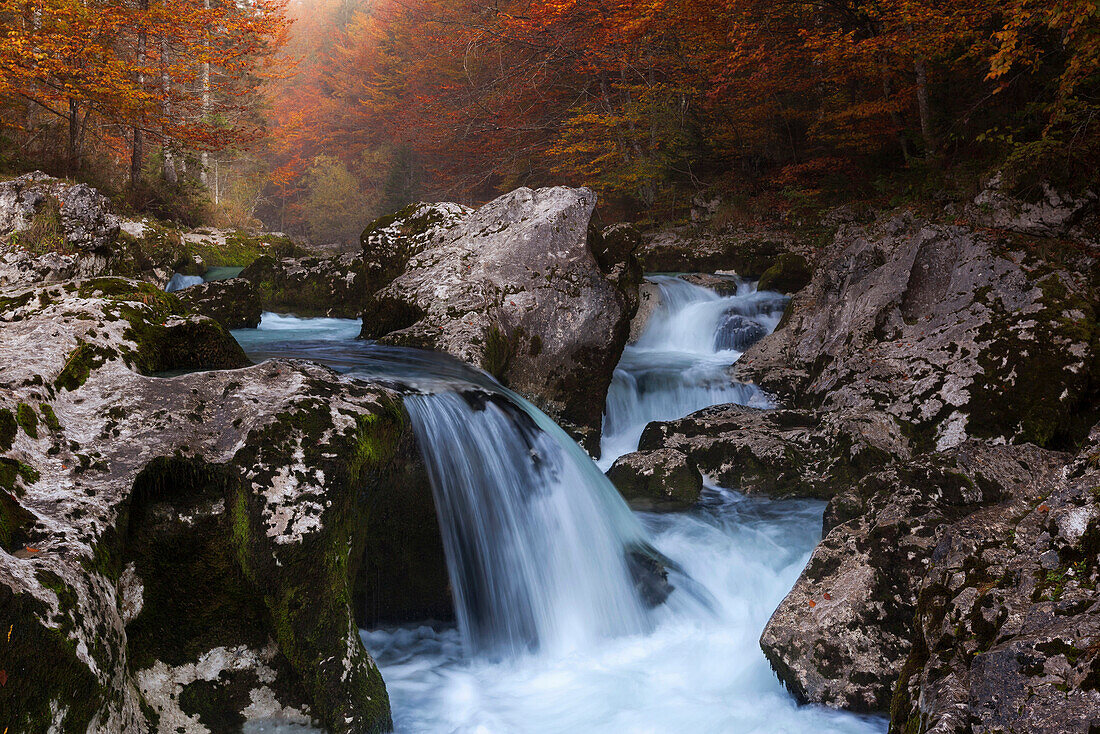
<point>842,635</point>
<point>38,205</point>
<point>1052,214</point>
<point>181,554</point>
<point>1007,615</point>
<point>951,332</point>
<point>780,453</point>
<point>514,287</point>
<point>312,286</point>
<point>233,303</point>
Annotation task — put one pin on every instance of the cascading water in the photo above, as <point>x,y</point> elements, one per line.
<point>553,635</point>
<point>536,542</point>
<point>680,363</point>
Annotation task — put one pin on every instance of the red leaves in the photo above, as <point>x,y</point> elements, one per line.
<point>3,677</point>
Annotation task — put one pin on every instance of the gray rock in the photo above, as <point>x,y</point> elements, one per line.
<point>513,287</point>
<point>86,219</point>
<point>738,332</point>
<point>1002,641</point>
<point>661,480</point>
<point>944,329</point>
<point>781,453</point>
<point>179,548</point>
<point>233,303</point>
<point>1052,216</point>
<point>843,634</point>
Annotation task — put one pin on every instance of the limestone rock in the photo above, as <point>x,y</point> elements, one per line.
<point>233,303</point>
<point>843,634</point>
<point>657,480</point>
<point>1051,216</point>
<point>180,552</point>
<point>780,453</point>
<point>790,274</point>
<point>946,330</point>
<point>83,215</point>
<point>513,287</point>
<point>704,250</point>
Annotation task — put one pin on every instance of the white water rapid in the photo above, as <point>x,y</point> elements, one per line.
<point>553,637</point>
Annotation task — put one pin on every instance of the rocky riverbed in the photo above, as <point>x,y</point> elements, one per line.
<point>187,539</point>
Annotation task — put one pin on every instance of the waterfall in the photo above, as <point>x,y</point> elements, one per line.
<point>681,362</point>
<point>538,542</point>
<point>180,281</point>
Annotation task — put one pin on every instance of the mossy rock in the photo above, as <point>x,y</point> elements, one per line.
<point>790,274</point>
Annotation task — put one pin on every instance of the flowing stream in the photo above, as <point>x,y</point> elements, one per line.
<point>555,631</point>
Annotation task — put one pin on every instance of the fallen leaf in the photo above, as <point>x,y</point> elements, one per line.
<point>32,550</point>
<point>812,603</point>
<point>3,679</point>
<point>1044,508</point>
<point>827,597</point>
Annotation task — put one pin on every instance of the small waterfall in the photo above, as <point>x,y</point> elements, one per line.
<point>681,362</point>
<point>180,281</point>
<point>539,545</point>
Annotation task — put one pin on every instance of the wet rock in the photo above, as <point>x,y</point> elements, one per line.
<point>790,274</point>
<point>513,287</point>
<point>946,329</point>
<point>649,297</point>
<point>661,480</point>
<point>705,250</point>
<point>738,332</point>
<point>782,453</point>
<point>233,303</point>
<point>180,553</point>
<point>844,633</point>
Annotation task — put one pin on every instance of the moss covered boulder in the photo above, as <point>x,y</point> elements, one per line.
<point>180,554</point>
<point>661,480</point>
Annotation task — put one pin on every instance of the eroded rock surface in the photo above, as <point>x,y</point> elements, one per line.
<point>952,333</point>
<point>233,303</point>
<point>179,554</point>
<point>515,288</point>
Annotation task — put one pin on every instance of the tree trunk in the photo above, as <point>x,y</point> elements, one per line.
<point>74,137</point>
<point>137,153</point>
<point>170,174</point>
<point>924,108</point>
<point>203,174</point>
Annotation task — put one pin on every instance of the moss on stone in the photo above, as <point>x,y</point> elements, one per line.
<point>80,363</point>
<point>49,417</point>
<point>790,273</point>
<point>44,672</point>
<point>12,470</point>
<point>28,419</point>
<point>8,428</point>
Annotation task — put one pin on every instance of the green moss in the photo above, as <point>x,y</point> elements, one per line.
<point>11,303</point>
<point>498,353</point>
<point>44,672</point>
<point>49,417</point>
<point>8,428</point>
<point>80,363</point>
<point>46,232</point>
<point>789,274</point>
<point>11,470</point>
<point>28,419</point>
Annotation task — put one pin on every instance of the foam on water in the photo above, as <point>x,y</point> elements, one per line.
<point>549,639</point>
<point>676,367</point>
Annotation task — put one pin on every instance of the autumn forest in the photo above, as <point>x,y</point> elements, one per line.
<point>315,116</point>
